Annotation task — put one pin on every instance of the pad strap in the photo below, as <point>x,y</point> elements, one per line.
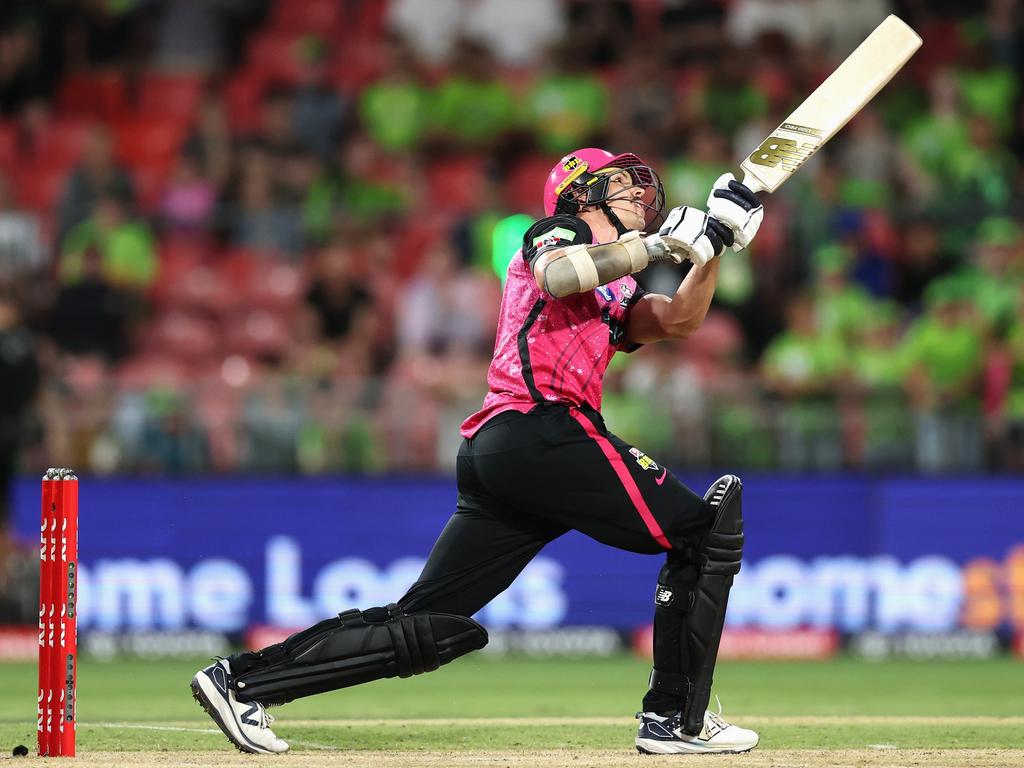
<point>354,647</point>
<point>671,683</point>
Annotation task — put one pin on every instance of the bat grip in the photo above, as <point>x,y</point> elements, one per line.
<point>752,183</point>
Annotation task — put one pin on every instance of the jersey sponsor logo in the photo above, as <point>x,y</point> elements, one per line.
<point>645,461</point>
<point>627,294</point>
<point>553,237</point>
<point>605,292</point>
<point>663,596</point>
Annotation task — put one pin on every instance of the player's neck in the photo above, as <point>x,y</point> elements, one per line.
<point>602,229</point>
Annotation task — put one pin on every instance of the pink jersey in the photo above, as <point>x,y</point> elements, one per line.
<point>553,350</point>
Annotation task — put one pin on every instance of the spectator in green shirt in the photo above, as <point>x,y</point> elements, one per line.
<point>878,368</point>
<point>944,350</point>
<point>695,170</point>
<point>990,282</point>
<point>568,104</point>
<point>938,137</point>
<point>394,106</point>
<point>803,368</point>
<point>987,87</point>
<point>958,153</point>
<point>729,99</point>
<point>472,106</point>
<point>839,304</point>
<point>126,246</point>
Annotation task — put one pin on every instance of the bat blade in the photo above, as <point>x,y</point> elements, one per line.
<point>854,83</point>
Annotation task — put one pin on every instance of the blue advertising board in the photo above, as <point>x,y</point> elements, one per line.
<point>849,553</point>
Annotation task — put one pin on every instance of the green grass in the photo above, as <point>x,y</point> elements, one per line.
<point>156,695</point>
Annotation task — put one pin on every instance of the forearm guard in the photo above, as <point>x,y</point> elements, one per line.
<point>582,268</point>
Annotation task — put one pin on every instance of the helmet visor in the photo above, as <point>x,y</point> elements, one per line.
<point>651,197</point>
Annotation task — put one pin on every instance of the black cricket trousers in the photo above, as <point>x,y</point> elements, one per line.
<point>525,479</point>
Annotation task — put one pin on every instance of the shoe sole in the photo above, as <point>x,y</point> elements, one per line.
<point>226,725</point>
<point>654,747</point>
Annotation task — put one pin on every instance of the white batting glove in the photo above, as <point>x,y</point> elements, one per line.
<point>736,206</point>
<point>689,233</point>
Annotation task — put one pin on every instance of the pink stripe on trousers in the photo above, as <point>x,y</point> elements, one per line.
<point>624,477</point>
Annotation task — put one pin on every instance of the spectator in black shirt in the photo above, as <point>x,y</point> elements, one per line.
<point>335,295</point>
<point>90,315</point>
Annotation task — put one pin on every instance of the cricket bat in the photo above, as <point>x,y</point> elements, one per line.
<point>854,83</point>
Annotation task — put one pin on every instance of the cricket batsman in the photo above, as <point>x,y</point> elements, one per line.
<point>538,461</point>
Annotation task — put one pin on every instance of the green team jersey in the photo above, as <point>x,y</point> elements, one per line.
<point>803,360</point>
<point>950,355</point>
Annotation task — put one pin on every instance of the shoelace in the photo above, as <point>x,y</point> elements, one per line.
<point>716,717</point>
<point>265,718</point>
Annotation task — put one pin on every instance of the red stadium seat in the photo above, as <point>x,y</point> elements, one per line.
<point>456,184</point>
<point>275,57</point>
<point>258,333</point>
<point>93,94</point>
<point>524,186</point>
<point>274,286</point>
<point>150,182</point>
<point>151,142</point>
<point>203,288</point>
<point>60,143</point>
<point>185,336</point>
<point>306,16</point>
<point>411,243</point>
<point>242,97</point>
<point>356,65</point>
<point>235,265</point>
<point>39,189</point>
<point>8,145</point>
<point>151,370</point>
<point>178,259</point>
<point>366,19</point>
<point>170,95</point>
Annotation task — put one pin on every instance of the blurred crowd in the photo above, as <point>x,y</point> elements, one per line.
<point>269,235</point>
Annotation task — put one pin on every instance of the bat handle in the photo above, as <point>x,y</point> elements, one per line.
<point>751,182</point>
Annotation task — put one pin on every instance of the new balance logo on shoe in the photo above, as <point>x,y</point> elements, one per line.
<point>247,716</point>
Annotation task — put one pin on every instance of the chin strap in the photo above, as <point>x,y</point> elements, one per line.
<point>619,226</point>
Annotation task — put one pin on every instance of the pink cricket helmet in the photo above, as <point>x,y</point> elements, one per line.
<point>573,184</point>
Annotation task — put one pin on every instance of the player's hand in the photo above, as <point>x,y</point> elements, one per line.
<point>689,233</point>
<point>736,206</point>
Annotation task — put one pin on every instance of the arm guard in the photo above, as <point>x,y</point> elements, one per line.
<point>582,268</point>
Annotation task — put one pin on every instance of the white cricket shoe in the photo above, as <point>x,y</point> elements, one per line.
<point>663,735</point>
<point>246,724</point>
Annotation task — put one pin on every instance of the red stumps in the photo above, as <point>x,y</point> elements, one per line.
<point>58,617</point>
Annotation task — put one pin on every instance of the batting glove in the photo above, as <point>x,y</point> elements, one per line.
<point>689,233</point>
<point>736,206</point>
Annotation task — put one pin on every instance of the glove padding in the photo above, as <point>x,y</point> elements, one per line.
<point>689,233</point>
<point>736,206</point>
